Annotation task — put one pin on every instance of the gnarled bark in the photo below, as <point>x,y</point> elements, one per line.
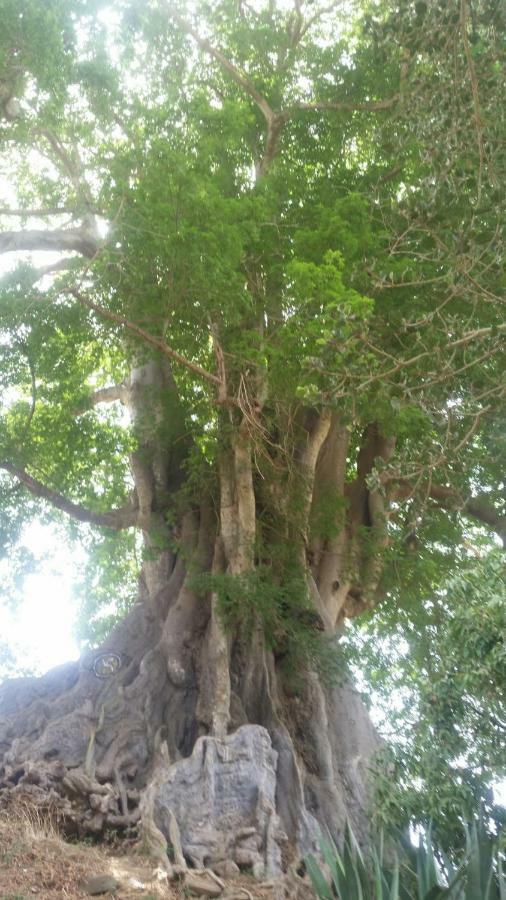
<point>90,744</point>
<point>108,739</point>
<point>172,697</point>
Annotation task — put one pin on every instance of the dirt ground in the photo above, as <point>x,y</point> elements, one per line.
<point>35,862</point>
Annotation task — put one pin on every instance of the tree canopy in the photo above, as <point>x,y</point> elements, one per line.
<point>298,208</point>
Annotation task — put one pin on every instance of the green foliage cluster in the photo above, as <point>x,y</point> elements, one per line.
<point>281,608</point>
<point>438,677</point>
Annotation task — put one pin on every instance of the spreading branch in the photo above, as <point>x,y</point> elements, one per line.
<point>367,106</point>
<point>83,240</point>
<point>479,507</point>
<point>37,212</point>
<point>469,337</point>
<point>146,337</point>
<point>319,15</point>
<point>79,240</point>
<point>116,518</point>
<point>239,77</point>
<point>109,394</point>
<point>61,265</point>
<point>276,119</point>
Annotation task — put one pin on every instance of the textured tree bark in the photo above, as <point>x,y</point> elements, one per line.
<point>99,738</point>
<point>71,737</point>
<point>81,240</point>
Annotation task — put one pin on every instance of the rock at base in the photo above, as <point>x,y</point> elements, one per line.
<point>226,868</point>
<point>223,799</point>
<point>202,886</point>
<point>100,884</point>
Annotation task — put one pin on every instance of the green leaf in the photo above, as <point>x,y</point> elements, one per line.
<point>318,880</point>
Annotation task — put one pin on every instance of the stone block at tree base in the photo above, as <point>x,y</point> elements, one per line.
<point>223,797</point>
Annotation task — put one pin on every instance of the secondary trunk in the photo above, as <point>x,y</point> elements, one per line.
<point>196,735</point>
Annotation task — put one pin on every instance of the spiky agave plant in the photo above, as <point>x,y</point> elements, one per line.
<point>480,876</point>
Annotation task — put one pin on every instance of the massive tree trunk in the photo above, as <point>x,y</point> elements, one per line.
<point>174,703</point>
<point>203,723</point>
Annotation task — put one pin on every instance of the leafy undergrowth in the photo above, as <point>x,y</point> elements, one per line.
<point>35,862</point>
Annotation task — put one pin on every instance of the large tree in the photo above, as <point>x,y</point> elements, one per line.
<point>268,343</point>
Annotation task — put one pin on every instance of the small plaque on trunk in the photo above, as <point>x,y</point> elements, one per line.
<point>106,665</point>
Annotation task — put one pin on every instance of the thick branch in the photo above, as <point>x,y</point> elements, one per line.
<point>109,394</point>
<point>274,129</point>
<point>80,240</point>
<point>38,213</point>
<point>328,551</point>
<point>243,558</point>
<point>316,436</point>
<point>103,395</point>
<point>61,265</point>
<point>367,515</point>
<point>478,507</point>
<point>115,518</point>
<point>145,336</point>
